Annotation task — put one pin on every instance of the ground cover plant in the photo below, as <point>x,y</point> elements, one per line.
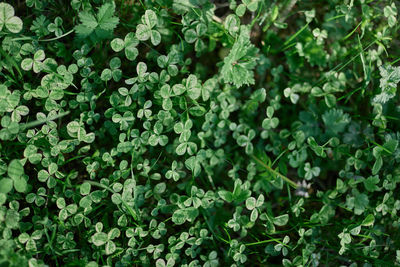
<point>199,133</point>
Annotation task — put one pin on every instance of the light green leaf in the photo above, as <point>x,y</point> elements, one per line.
<point>15,169</point>
<point>143,32</point>
<point>20,184</point>
<point>6,185</point>
<point>99,239</point>
<point>281,220</point>
<point>251,203</point>
<point>85,188</point>
<point>179,217</point>
<point>150,18</point>
<point>14,24</point>
<point>369,220</point>
<point>117,44</point>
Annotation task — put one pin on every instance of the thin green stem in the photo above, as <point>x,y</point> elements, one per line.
<point>290,182</point>
<point>59,37</point>
<point>262,242</point>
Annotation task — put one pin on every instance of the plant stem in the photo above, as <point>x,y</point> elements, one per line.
<point>290,182</point>
<point>59,37</point>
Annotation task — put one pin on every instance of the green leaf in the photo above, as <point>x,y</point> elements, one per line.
<point>143,32</point>
<point>8,20</point>
<point>232,23</point>
<point>251,203</point>
<point>117,44</point>
<point>360,203</point>
<point>110,247</point>
<point>371,183</point>
<point>281,220</point>
<point>191,213</point>
<point>377,165</point>
<point>190,36</point>
<point>181,149</point>
<point>14,24</point>
<point>15,169</point>
<point>197,111</point>
<point>240,62</point>
<point>369,220</point>
<point>106,75</point>
<point>178,89</point>
<point>155,37</point>
<point>254,215</point>
<point>73,127</point>
<point>150,18</point>
<point>99,239</point>
<point>241,10</point>
<point>226,195</point>
<point>105,17</point>
<point>27,64</point>
<point>6,185</point>
<point>20,184</point>
<point>390,77</point>
<point>179,217</point>
<point>330,100</point>
<point>102,24</point>
<point>85,188</point>
<point>335,121</point>
<point>88,24</point>
<point>141,68</point>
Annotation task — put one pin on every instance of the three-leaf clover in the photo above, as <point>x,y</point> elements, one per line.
<point>30,240</point>
<point>8,20</point>
<point>100,238</point>
<point>245,141</point>
<point>390,12</point>
<point>56,27</point>
<point>145,30</point>
<point>157,137</point>
<point>270,122</point>
<point>251,5</point>
<point>15,178</point>
<point>311,171</point>
<point>185,133</point>
<point>36,62</point>
<point>114,72</point>
<point>252,204</point>
<point>289,92</point>
<point>128,44</point>
<point>173,172</point>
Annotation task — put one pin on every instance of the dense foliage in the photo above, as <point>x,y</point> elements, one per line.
<point>199,133</point>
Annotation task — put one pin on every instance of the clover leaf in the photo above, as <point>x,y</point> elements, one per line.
<point>145,30</point>
<point>8,20</point>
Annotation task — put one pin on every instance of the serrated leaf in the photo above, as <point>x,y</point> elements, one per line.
<point>239,64</point>
<point>105,17</point>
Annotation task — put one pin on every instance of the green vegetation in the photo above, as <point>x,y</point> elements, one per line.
<point>199,133</point>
